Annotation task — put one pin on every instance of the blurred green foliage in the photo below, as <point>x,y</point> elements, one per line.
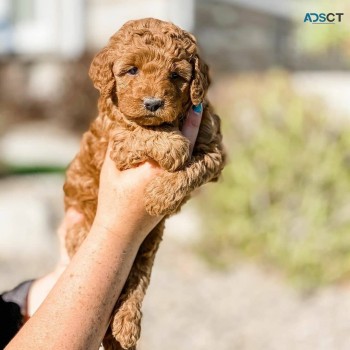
<point>284,197</point>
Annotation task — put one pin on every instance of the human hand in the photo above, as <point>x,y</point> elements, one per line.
<point>120,196</point>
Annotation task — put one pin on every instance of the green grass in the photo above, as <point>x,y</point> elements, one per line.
<point>285,194</point>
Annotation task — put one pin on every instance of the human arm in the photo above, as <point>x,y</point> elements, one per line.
<point>75,315</point>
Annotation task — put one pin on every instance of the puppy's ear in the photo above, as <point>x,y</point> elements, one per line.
<point>101,72</point>
<point>200,82</point>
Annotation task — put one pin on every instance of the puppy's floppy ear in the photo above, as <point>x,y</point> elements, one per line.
<point>200,82</point>
<point>101,71</point>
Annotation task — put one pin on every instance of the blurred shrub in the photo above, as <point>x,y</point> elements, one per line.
<point>285,194</point>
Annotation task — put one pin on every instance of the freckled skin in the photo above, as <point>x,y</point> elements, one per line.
<point>157,49</point>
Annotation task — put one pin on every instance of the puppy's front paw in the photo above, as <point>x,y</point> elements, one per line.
<point>125,159</point>
<point>173,153</point>
<point>164,194</point>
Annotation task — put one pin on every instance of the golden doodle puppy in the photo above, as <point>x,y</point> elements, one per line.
<point>149,75</point>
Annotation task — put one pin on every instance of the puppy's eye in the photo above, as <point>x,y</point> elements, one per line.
<point>133,71</point>
<point>174,75</point>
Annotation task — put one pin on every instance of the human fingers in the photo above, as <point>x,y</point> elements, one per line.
<point>191,125</point>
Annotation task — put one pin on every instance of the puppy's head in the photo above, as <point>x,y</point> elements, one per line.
<point>151,71</point>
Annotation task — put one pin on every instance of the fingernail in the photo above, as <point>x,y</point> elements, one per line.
<point>198,108</point>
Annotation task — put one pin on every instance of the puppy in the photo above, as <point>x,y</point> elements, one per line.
<point>148,76</point>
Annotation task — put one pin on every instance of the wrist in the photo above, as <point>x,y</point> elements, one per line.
<point>129,225</point>
<point>117,235</point>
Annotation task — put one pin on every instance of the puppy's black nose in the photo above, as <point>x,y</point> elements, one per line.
<point>152,103</point>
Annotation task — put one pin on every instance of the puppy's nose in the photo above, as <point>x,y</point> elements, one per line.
<point>152,103</point>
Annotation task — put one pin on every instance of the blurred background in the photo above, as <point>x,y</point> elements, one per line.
<point>260,260</point>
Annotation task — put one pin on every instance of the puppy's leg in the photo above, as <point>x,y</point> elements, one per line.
<point>166,193</point>
<point>126,323</point>
<point>75,237</point>
<point>127,150</point>
<point>167,146</point>
<point>86,204</point>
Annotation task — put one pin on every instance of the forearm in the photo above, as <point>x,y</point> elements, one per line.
<point>75,315</point>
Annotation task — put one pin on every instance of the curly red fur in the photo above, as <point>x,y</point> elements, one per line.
<point>157,49</point>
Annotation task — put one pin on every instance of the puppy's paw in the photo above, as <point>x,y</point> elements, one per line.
<point>125,159</point>
<point>126,327</point>
<point>173,152</point>
<point>164,194</point>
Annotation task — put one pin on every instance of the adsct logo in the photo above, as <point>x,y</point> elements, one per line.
<point>323,18</point>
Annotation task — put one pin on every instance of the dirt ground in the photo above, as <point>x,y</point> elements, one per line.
<point>188,305</point>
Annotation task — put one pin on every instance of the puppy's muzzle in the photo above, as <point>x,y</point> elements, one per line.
<point>152,103</point>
